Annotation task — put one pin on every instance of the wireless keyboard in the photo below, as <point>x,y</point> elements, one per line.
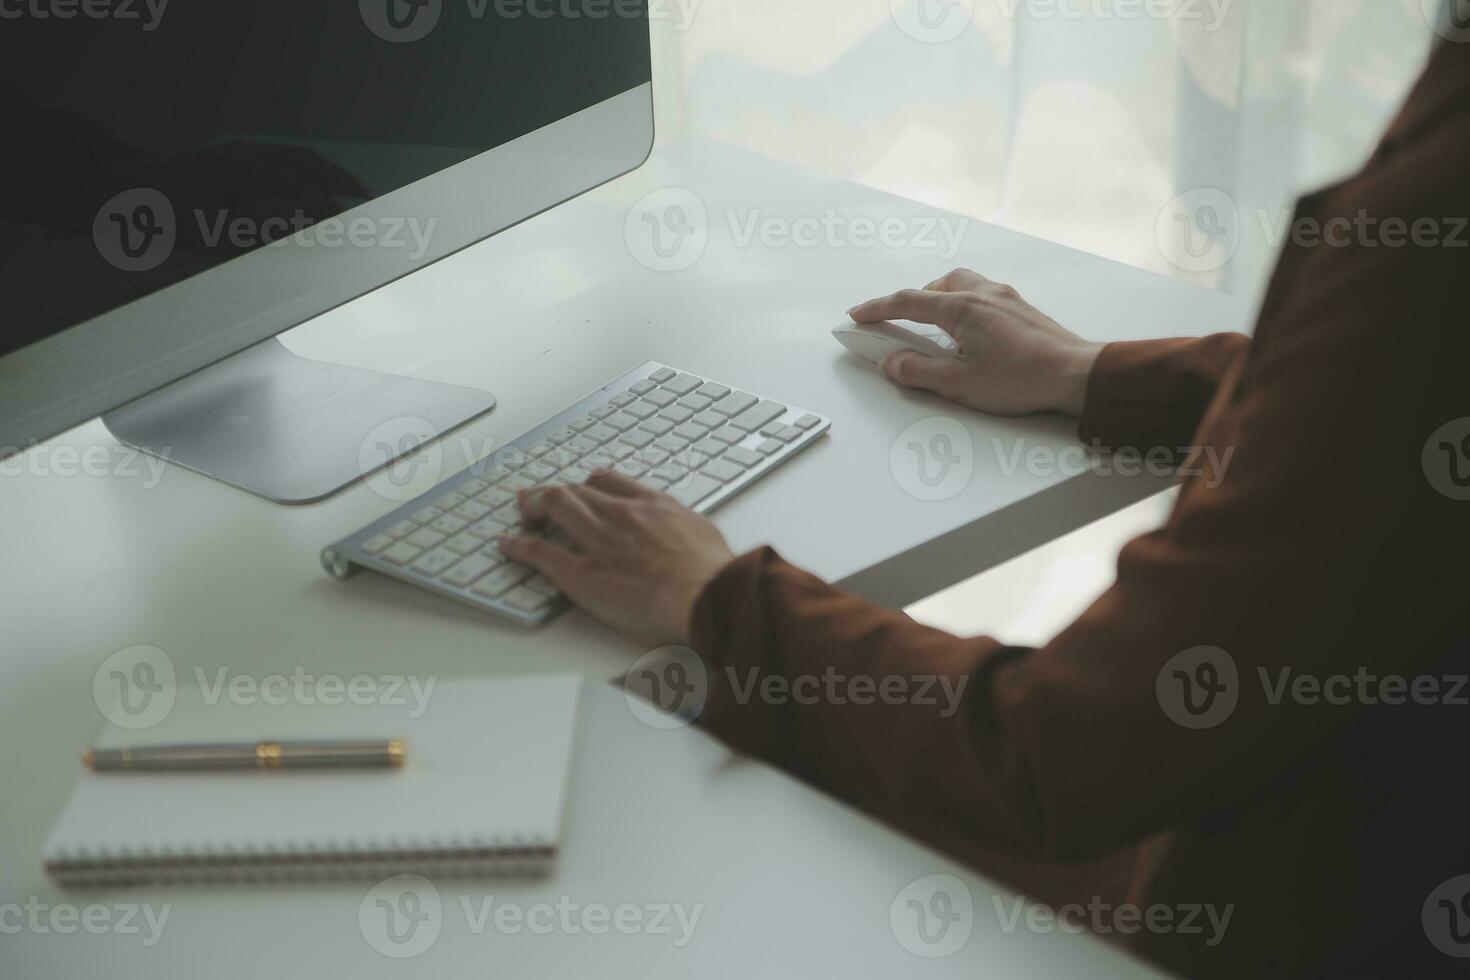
<point>698,440</point>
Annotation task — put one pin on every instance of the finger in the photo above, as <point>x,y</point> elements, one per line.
<point>565,508</point>
<point>564,567</point>
<point>615,484</point>
<point>958,281</point>
<point>919,305</point>
<point>910,370</point>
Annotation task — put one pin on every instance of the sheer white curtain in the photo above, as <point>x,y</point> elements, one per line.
<point>1078,121</point>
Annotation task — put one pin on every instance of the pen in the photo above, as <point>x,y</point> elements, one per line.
<point>250,755</point>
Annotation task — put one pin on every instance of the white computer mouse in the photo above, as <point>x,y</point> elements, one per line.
<point>875,341</point>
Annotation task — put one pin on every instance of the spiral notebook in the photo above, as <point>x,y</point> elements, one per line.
<point>481,792</point>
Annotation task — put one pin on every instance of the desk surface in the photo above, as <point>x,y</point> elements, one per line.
<point>114,555</point>
<point>734,870</point>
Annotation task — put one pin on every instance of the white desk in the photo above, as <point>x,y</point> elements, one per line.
<point>541,315</point>
<point>774,880</point>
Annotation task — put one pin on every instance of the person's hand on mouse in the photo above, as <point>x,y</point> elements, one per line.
<point>1013,359</point>
<point>641,558</point>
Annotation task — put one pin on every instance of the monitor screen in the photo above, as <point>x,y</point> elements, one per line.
<point>149,141</point>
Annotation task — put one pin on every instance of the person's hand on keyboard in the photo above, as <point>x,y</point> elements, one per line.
<point>641,557</point>
<point>1014,360</point>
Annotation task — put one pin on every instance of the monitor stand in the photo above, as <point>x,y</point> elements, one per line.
<point>290,429</point>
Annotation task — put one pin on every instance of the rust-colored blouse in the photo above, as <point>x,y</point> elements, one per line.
<point>1334,547</point>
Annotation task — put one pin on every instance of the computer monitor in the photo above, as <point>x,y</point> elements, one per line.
<point>185,181</point>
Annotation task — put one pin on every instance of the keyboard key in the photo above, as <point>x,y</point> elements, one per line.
<point>712,391</point>
<point>734,403</point>
<point>631,467</point>
<point>449,524</point>
<point>755,417</point>
<point>488,528</point>
<point>643,387</point>
<point>464,544</point>
<point>431,563</point>
<point>600,460</point>
<point>672,472</point>
<point>653,482</point>
<point>517,483</point>
<point>708,419</point>
<point>807,421</point>
<point>560,436</point>
<point>671,443</point>
<point>601,433</point>
<point>526,600</point>
<point>695,489</point>
<point>495,497</point>
<point>657,426</point>
<point>539,450</point>
<point>449,501</point>
<point>401,553</point>
<point>472,510</point>
<point>425,538</point>
<point>709,447</point>
<point>574,475</point>
<point>619,400</point>
<point>729,434</point>
<point>471,487</point>
<point>602,411</point>
<point>621,421</point>
<point>773,430</point>
<point>743,456</point>
<point>638,438</point>
<point>691,431</point>
<point>620,450</point>
<point>661,398</point>
<point>583,424</point>
<point>720,470</point>
<point>676,414</point>
<point>427,515</point>
<point>580,447</point>
<point>467,571</point>
<point>377,544</point>
<point>495,584</point>
<point>641,410</point>
<point>402,529</point>
<point>682,384</point>
<point>770,447</point>
<point>788,433</point>
<point>661,375</point>
<point>544,585</point>
<point>695,403</point>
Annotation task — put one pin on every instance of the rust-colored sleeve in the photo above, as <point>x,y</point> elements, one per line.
<point>1324,549</point>
<point>1153,393</point>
